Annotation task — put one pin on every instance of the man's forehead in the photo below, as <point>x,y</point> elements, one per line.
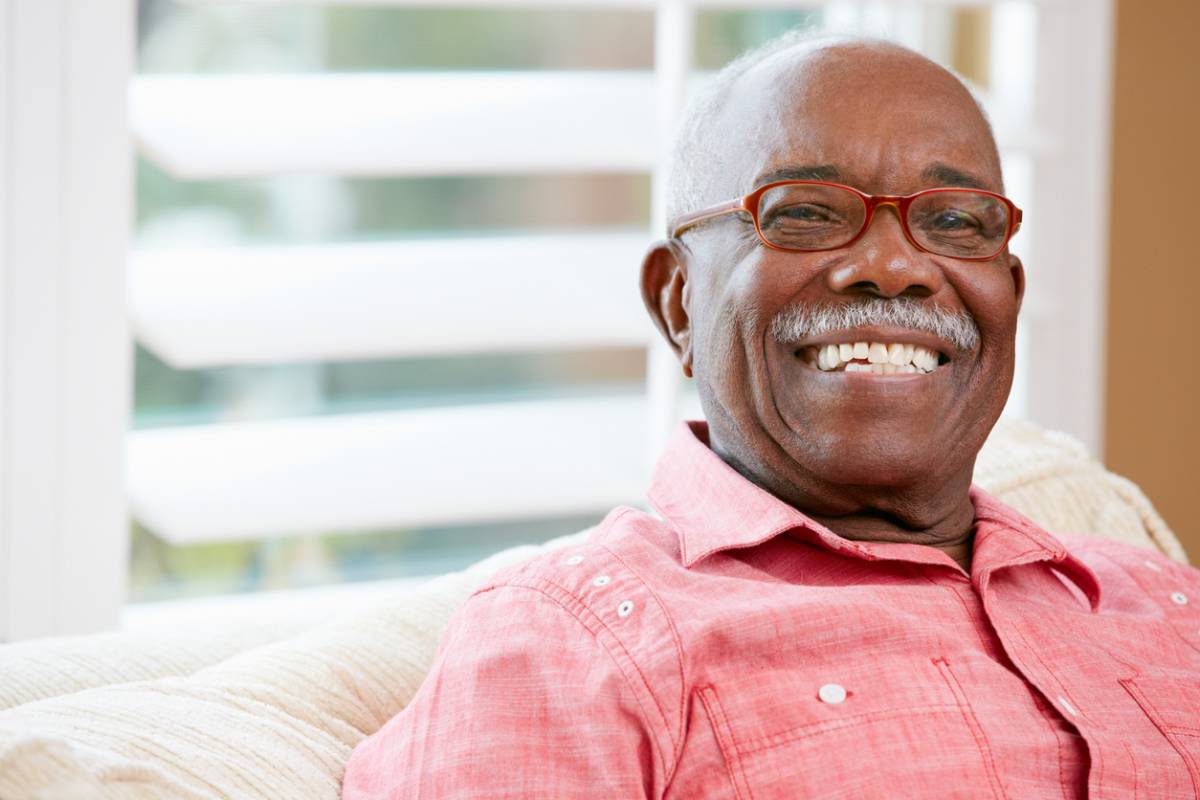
<point>854,112</point>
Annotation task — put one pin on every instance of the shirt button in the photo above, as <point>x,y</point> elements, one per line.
<point>1179,598</point>
<point>625,609</point>
<point>1070,709</point>
<point>573,560</point>
<point>832,693</point>
<point>601,580</point>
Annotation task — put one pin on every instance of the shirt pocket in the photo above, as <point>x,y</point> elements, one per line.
<point>1171,699</point>
<point>886,729</point>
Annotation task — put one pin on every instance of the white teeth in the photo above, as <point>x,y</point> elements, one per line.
<point>925,359</point>
<point>831,356</point>
<point>896,358</point>
<point>827,357</point>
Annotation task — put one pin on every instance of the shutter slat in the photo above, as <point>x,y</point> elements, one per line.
<point>260,305</point>
<point>424,467</point>
<point>232,126</point>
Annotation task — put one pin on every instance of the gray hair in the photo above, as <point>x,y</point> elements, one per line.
<point>799,322</point>
<point>698,154</point>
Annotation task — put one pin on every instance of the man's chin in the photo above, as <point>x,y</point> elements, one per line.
<point>873,456</point>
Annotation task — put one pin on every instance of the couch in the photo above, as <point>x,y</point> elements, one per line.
<point>271,706</point>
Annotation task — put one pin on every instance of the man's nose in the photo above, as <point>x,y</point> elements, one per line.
<point>884,263</point>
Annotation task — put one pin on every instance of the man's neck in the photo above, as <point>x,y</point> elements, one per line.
<point>939,515</point>
<point>953,533</point>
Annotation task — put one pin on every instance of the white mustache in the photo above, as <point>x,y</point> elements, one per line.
<point>798,322</point>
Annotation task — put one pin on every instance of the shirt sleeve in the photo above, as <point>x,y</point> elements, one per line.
<point>521,701</point>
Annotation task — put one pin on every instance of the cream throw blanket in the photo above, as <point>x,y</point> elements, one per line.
<point>270,710</point>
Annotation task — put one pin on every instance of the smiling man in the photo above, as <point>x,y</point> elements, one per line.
<point>823,605</point>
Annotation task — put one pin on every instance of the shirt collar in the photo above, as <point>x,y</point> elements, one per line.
<point>713,508</point>
<point>1006,538</point>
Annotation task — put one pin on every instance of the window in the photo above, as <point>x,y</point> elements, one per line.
<point>362,236</point>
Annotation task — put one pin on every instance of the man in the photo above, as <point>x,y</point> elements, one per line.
<point>824,606</point>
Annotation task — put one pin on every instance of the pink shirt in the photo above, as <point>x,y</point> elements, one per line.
<point>736,649</point>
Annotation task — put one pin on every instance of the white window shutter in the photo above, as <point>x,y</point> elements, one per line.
<point>65,215</point>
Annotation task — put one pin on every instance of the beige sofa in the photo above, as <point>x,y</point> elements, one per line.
<point>271,707</point>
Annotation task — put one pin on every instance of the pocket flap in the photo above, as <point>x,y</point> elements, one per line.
<point>1171,698</point>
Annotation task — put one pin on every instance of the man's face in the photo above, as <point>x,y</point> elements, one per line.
<point>885,122</point>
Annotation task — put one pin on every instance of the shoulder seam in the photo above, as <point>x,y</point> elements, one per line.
<point>678,653</point>
<point>573,605</point>
<point>505,575</point>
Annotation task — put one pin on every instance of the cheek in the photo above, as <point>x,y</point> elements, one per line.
<point>991,300</point>
<point>729,321</point>
<point>989,295</point>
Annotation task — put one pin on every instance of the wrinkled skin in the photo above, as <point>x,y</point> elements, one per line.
<point>874,460</point>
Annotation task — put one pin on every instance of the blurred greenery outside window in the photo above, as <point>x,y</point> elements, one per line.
<point>211,38</point>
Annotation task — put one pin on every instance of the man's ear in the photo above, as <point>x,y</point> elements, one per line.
<point>665,293</point>
<point>1018,275</point>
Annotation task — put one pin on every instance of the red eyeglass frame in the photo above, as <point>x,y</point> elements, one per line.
<point>900,203</point>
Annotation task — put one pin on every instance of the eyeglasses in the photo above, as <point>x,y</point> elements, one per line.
<point>799,216</point>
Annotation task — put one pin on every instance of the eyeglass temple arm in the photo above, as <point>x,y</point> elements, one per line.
<point>685,221</point>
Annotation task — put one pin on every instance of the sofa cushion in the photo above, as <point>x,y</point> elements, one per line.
<point>277,721</point>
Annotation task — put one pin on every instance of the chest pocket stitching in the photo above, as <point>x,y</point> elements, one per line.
<point>733,751</point>
<point>1133,767</point>
<point>985,748</point>
<point>1169,731</point>
<point>825,726</point>
<point>716,715</point>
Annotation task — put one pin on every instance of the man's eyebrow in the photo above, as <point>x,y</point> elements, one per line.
<point>945,175</point>
<point>816,172</point>
<point>938,173</point>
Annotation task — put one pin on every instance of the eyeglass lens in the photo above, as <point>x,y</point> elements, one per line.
<point>962,224</point>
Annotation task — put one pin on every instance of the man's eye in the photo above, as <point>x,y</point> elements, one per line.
<point>953,221</point>
<point>806,213</point>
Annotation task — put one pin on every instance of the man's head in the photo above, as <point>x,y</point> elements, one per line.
<point>749,322</point>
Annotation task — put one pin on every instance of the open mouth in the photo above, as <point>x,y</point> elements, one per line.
<point>878,358</point>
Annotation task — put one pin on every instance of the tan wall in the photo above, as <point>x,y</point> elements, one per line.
<point>1152,422</point>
